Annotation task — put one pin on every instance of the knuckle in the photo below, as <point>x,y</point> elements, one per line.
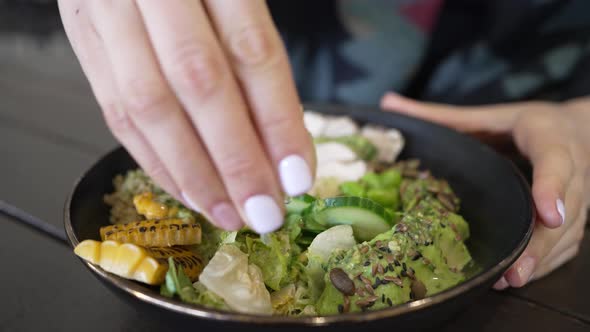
<point>195,69</point>
<point>278,122</point>
<point>254,47</point>
<point>116,118</point>
<point>155,169</point>
<point>239,169</point>
<point>186,183</point>
<point>145,99</point>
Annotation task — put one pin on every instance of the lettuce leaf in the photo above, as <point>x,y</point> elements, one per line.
<point>273,257</point>
<point>178,283</point>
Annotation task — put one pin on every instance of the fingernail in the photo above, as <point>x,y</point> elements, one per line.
<point>525,269</point>
<point>225,214</point>
<point>561,210</point>
<point>501,284</point>
<point>190,202</point>
<point>263,214</point>
<point>295,175</point>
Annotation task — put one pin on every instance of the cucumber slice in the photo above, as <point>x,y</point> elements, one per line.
<point>367,218</point>
<point>298,203</point>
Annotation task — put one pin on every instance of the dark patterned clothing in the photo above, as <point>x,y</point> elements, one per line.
<point>452,51</point>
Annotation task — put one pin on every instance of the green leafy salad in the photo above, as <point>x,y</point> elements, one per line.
<point>373,233</point>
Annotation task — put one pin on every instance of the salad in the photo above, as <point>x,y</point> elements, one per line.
<point>373,233</point>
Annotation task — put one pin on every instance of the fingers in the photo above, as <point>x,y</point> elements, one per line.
<point>501,284</point>
<point>494,118</point>
<point>199,73</point>
<point>542,241</point>
<point>95,64</point>
<point>552,172</point>
<point>152,107</point>
<point>558,183</point>
<point>257,54</point>
<point>572,237</point>
<point>547,250</point>
<point>564,257</point>
<point>553,166</point>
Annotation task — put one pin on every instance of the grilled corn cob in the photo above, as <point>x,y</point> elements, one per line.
<point>146,205</point>
<point>130,261</point>
<point>191,263</point>
<point>154,233</point>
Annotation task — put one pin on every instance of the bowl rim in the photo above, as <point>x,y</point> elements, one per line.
<point>135,290</point>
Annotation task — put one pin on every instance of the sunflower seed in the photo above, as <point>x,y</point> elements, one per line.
<point>397,281</point>
<point>370,289</point>
<point>446,201</point>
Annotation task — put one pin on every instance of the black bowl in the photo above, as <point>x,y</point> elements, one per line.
<point>496,201</point>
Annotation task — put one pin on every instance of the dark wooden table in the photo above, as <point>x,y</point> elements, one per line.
<point>51,130</point>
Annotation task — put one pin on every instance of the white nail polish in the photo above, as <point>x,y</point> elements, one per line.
<point>561,210</point>
<point>263,214</point>
<point>190,202</point>
<point>295,175</point>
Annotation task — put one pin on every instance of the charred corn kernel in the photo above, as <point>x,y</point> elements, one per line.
<point>130,261</point>
<point>154,233</point>
<point>191,263</point>
<point>146,205</point>
<point>125,260</point>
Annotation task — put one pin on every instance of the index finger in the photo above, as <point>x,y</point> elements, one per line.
<point>260,61</point>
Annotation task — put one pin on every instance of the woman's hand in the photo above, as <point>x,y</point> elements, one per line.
<point>201,94</point>
<point>555,138</point>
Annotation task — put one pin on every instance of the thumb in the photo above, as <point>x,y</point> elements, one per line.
<point>496,119</point>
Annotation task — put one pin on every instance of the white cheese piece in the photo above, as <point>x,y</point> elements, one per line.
<point>333,152</point>
<point>337,237</point>
<point>389,142</point>
<point>314,123</point>
<point>339,126</point>
<point>343,171</point>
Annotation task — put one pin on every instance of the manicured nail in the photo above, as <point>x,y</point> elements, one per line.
<point>190,202</point>
<point>263,214</point>
<point>295,175</point>
<point>561,210</point>
<point>501,284</point>
<point>525,268</point>
<point>227,216</point>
